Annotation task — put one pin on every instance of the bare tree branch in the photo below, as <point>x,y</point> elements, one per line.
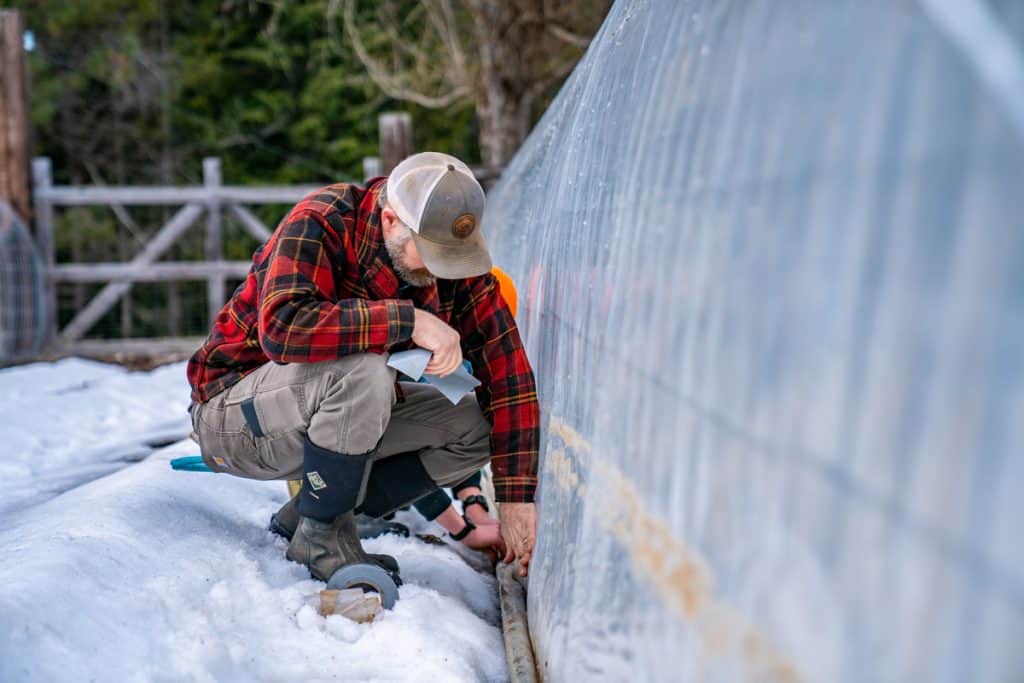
<point>442,17</point>
<point>505,55</point>
<point>387,80</point>
<point>122,214</point>
<point>398,43</point>
<point>567,36</point>
<point>554,27</point>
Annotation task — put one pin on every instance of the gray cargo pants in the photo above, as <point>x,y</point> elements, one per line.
<point>255,428</point>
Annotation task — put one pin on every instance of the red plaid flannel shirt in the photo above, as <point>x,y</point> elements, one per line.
<point>322,287</point>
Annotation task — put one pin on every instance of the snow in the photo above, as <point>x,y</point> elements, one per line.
<point>112,570</point>
<point>67,422</point>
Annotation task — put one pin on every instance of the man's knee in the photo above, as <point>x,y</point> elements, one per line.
<point>353,406</point>
<point>465,455</point>
<point>475,430</point>
<point>364,374</point>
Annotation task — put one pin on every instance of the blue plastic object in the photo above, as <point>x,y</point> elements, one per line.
<point>190,463</point>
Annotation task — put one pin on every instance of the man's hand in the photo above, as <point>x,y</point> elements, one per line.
<point>431,333</point>
<point>486,537</point>
<point>519,529</point>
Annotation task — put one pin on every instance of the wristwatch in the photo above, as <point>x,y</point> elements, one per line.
<point>476,499</point>
<point>466,530</point>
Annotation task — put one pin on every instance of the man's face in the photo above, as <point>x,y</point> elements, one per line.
<point>405,257</point>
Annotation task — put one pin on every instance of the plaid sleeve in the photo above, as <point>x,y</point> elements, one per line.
<point>508,393</point>
<point>300,318</point>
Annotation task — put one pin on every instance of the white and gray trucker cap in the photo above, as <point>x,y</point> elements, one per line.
<point>437,196</point>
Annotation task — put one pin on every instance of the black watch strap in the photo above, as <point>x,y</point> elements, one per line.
<point>476,499</point>
<point>466,530</point>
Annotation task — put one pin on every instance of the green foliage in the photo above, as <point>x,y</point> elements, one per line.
<point>139,91</point>
<point>126,91</point>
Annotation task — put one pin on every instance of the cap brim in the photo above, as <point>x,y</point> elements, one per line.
<point>454,262</point>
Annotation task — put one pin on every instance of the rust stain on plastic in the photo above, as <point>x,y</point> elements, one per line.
<point>677,573</point>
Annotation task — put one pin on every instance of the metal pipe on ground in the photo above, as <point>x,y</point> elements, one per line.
<point>522,667</point>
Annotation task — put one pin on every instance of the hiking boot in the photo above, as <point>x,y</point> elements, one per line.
<point>390,484</point>
<point>325,547</point>
<point>370,527</point>
<point>285,520</point>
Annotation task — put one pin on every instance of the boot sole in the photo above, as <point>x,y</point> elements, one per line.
<point>280,529</point>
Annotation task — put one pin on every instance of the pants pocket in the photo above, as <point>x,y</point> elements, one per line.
<point>277,411</point>
<point>226,442</point>
<point>270,425</point>
<point>256,427</point>
<point>232,451</point>
<point>282,455</point>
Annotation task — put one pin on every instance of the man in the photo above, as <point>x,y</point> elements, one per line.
<point>293,380</point>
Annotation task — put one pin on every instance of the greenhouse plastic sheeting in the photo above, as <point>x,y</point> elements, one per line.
<point>22,309</point>
<point>771,265</point>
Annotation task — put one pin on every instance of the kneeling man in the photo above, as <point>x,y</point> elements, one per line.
<point>293,381</point>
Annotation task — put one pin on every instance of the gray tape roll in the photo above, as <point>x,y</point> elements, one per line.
<point>366,576</point>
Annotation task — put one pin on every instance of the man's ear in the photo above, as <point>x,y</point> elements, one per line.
<point>388,217</point>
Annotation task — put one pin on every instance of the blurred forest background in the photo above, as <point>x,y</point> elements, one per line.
<point>128,92</point>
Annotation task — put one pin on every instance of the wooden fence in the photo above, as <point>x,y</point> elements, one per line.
<point>209,201</point>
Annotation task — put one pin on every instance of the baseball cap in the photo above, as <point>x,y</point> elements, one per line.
<point>437,196</point>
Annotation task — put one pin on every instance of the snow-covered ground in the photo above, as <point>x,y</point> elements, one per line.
<point>67,422</point>
<point>114,570</point>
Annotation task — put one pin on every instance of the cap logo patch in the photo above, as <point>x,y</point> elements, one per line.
<point>464,225</point>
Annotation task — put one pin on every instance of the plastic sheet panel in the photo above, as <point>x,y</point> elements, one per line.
<point>22,293</point>
<point>771,266</point>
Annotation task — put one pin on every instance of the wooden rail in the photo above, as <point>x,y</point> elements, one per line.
<point>211,199</point>
<point>155,272</point>
<point>143,195</point>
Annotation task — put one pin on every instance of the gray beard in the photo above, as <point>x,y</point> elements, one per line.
<point>416,278</point>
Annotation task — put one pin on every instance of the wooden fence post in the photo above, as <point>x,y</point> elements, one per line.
<point>42,179</point>
<point>14,131</point>
<point>215,284</point>
<point>173,310</point>
<point>395,140</point>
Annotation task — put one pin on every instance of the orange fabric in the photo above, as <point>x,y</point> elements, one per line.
<point>507,288</point>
